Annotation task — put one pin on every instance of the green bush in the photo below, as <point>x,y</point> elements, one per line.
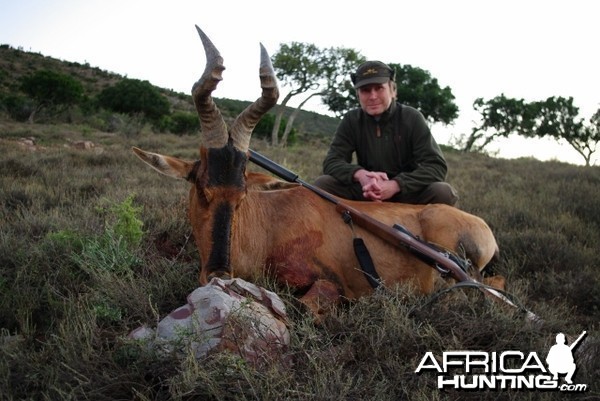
<point>107,254</point>
<point>51,90</point>
<point>115,250</point>
<point>132,96</point>
<point>180,123</point>
<point>127,222</point>
<point>264,129</point>
<point>18,107</point>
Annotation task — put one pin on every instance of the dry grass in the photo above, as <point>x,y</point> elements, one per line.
<point>71,291</point>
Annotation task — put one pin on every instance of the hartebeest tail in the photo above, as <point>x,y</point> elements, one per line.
<point>249,224</point>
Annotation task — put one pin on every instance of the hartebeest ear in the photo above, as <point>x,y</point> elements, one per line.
<point>171,166</point>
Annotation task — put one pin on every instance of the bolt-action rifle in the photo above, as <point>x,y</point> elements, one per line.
<point>446,263</point>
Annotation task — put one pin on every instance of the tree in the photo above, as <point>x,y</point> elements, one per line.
<point>265,126</point>
<point>18,106</point>
<point>593,130</point>
<point>307,69</point>
<point>52,90</point>
<point>555,117</point>
<point>416,88</point>
<point>132,96</point>
<point>288,125</point>
<point>297,65</point>
<point>558,118</point>
<point>500,117</point>
<point>340,95</point>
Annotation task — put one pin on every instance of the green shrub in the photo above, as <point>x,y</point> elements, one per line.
<point>115,250</point>
<point>18,107</point>
<point>107,312</point>
<point>180,123</point>
<point>65,239</point>
<point>264,129</point>
<point>51,90</point>
<point>127,222</point>
<point>132,96</point>
<point>108,253</point>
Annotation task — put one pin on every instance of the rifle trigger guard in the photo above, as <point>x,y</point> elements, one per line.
<point>443,272</point>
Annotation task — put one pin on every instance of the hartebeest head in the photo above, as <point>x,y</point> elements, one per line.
<point>219,176</point>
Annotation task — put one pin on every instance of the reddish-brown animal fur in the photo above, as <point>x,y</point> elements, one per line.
<point>249,224</point>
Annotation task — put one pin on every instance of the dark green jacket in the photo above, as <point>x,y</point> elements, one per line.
<point>399,144</point>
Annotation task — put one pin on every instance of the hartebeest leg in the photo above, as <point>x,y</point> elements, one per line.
<point>322,296</point>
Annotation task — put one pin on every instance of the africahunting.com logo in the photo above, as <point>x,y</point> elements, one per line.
<point>479,370</point>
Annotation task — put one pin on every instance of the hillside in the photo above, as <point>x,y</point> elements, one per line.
<point>16,64</point>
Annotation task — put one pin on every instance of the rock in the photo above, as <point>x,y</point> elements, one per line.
<point>82,145</point>
<point>28,144</point>
<point>225,315</point>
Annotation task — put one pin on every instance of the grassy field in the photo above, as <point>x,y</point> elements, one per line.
<point>93,244</point>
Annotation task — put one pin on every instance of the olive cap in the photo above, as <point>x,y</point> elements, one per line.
<point>372,72</point>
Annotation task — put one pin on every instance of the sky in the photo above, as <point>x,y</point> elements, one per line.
<point>529,49</point>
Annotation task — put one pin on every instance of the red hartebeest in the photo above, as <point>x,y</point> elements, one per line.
<point>249,224</point>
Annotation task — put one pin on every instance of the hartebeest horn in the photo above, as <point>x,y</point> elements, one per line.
<point>214,130</point>
<point>243,125</point>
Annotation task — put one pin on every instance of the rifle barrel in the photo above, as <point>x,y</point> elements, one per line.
<point>287,175</point>
<point>272,167</point>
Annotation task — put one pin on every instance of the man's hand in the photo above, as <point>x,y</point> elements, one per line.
<point>376,185</point>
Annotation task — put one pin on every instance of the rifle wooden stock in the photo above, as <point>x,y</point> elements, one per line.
<point>424,252</point>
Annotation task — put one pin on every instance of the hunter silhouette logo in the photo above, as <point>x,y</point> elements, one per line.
<point>512,369</point>
<point>560,357</point>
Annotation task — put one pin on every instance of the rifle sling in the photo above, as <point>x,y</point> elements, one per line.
<point>370,272</point>
<point>362,255</point>
<point>366,262</point>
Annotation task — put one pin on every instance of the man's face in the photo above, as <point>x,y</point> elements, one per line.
<point>375,98</point>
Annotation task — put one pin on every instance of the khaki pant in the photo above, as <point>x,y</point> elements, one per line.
<point>437,192</point>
